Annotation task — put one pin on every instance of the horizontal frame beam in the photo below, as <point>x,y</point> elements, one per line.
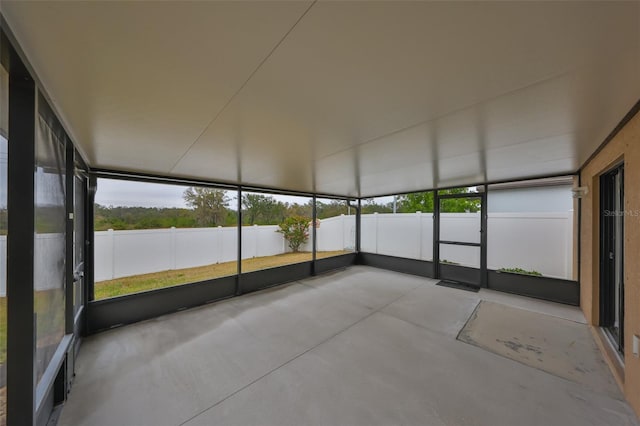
<point>454,196</point>
<point>176,180</point>
<point>170,180</point>
<point>491,182</point>
<point>460,243</point>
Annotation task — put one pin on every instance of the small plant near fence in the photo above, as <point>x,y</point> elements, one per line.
<point>520,271</point>
<point>295,230</point>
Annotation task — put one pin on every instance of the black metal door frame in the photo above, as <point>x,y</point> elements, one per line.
<point>612,254</point>
<point>80,238</point>
<point>482,195</point>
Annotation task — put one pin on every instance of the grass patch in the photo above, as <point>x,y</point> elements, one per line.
<point>49,306</point>
<point>50,318</point>
<point>144,282</point>
<point>3,330</point>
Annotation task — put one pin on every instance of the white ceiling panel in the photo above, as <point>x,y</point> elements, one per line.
<point>347,98</point>
<point>137,82</point>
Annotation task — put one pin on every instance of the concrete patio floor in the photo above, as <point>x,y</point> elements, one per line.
<point>361,346</point>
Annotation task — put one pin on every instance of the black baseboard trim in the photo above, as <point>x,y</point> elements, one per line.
<point>545,288</point>
<point>128,309</point>
<point>327,264</point>
<point>459,285</point>
<point>423,268</point>
<point>265,278</point>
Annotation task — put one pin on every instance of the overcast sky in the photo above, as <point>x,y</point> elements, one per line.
<point>113,192</point>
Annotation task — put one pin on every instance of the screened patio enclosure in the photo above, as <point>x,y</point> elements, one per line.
<point>158,156</point>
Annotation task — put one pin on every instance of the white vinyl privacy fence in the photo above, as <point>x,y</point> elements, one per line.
<point>538,241</point>
<point>534,241</point>
<point>125,253</point>
<point>48,269</point>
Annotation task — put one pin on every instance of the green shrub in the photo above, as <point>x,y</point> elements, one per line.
<point>295,230</point>
<point>520,271</point>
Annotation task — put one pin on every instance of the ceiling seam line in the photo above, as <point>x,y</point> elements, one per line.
<point>215,118</point>
<point>553,135</point>
<point>457,110</point>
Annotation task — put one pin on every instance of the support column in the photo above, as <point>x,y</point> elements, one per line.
<point>483,237</point>
<point>90,238</point>
<point>314,233</point>
<point>239,254</point>
<point>21,332</point>
<point>436,235</point>
<point>358,226</point>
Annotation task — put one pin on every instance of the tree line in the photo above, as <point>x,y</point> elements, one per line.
<point>212,207</point>
<point>423,202</point>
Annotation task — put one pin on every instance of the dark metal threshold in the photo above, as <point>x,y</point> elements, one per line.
<point>55,415</point>
<point>459,285</point>
<point>611,353</point>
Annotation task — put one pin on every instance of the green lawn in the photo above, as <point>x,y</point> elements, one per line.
<point>138,283</point>
<point>49,306</point>
<point>49,309</point>
<point>3,330</point>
